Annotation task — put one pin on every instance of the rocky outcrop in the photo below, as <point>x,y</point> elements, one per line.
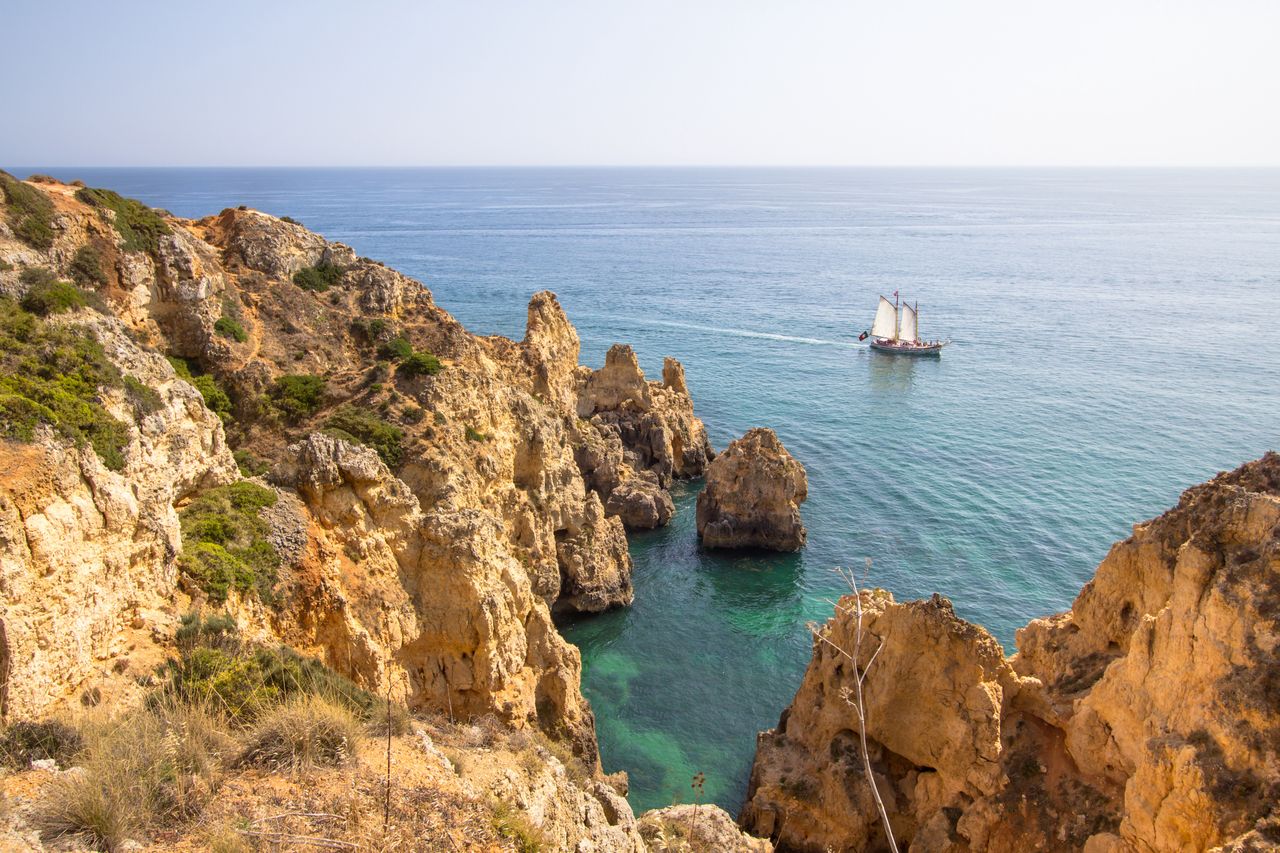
<point>641,436</point>
<point>1144,719</point>
<point>695,828</point>
<point>432,602</point>
<point>87,577</point>
<point>753,495</point>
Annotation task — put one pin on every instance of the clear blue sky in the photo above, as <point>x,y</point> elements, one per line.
<point>939,82</point>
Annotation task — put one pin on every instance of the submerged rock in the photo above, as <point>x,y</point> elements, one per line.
<point>753,496</point>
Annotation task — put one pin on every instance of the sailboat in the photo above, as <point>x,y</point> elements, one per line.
<point>896,328</point>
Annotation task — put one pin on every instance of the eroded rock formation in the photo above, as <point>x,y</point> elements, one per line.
<point>753,496</point>
<point>641,436</point>
<point>1144,719</point>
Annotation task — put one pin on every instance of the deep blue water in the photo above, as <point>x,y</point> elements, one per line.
<point>1116,340</point>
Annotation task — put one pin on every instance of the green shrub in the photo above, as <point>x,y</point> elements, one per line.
<point>397,348</point>
<point>290,220</point>
<point>225,544</point>
<point>29,211</point>
<point>413,414</point>
<point>86,266</point>
<point>139,226</point>
<point>54,375</point>
<point>318,278</point>
<point>369,430</point>
<point>474,434</point>
<point>27,741</point>
<point>371,330</point>
<point>420,363</point>
<point>298,395</point>
<point>5,266</point>
<point>217,669</point>
<point>229,327</point>
<point>218,631</point>
<point>47,295</point>
<point>145,399</point>
<point>250,465</point>
<point>214,397</point>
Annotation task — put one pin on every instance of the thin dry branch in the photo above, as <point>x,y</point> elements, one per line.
<point>857,700</point>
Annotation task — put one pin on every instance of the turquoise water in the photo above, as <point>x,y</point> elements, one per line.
<point>1116,340</point>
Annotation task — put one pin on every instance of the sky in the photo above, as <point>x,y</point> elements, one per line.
<point>598,82</point>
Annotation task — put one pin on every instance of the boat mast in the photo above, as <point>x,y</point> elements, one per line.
<point>897,318</point>
<point>917,310</point>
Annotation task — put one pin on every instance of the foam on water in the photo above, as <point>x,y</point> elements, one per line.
<point>1116,340</point>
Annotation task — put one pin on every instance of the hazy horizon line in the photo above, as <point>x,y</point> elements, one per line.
<point>464,166</point>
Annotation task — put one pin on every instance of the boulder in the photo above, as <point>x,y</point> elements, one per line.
<point>753,496</point>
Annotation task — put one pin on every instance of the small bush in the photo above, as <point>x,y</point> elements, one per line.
<point>290,220</point>
<point>5,266</point>
<point>145,399</point>
<point>514,826</point>
<point>47,295</point>
<point>413,414</point>
<point>214,397</point>
<point>86,267</point>
<point>474,434</point>
<point>298,395</point>
<point>29,211</point>
<point>54,375</point>
<point>305,732</point>
<point>218,631</point>
<point>250,465</point>
<point>369,430</point>
<point>318,278</point>
<point>225,542</point>
<point>397,349</point>
<point>28,741</point>
<point>139,226</point>
<point>229,327</point>
<point>421,363</point>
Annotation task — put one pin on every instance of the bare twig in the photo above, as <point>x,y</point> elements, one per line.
<point>297,814</point>
<point>314,841</point>
<point>857,701</point>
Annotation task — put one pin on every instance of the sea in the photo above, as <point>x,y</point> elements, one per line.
<point>1115,338</point>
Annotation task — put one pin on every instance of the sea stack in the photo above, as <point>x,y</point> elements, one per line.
<point>753,496</point>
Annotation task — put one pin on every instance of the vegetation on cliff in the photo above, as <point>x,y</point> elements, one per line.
<point>318,278</point>
<point>140,228</point>
<point>54,375</point>
<point>359,426</point>
<point>225,542</point>
<point>30,213</point>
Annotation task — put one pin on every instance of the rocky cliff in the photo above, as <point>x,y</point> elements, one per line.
<point>439,493</point>
<point>753,496</point>
<point>1146,718</point>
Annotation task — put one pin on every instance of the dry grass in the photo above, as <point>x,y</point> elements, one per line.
<point>309,731</point>
<point>148,768</point>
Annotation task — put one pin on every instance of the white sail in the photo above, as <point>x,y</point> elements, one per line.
<point>886,323</point>
<point>908,331</point>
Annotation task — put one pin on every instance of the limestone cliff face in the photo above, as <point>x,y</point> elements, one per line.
<point>87,575</point>
<point>753,496</point>
<point>433,571</point>
<point>1145,719</point>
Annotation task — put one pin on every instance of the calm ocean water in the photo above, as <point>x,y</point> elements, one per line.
<point>1116,340</point>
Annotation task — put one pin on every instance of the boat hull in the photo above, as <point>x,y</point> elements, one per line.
<point>903,348</point>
